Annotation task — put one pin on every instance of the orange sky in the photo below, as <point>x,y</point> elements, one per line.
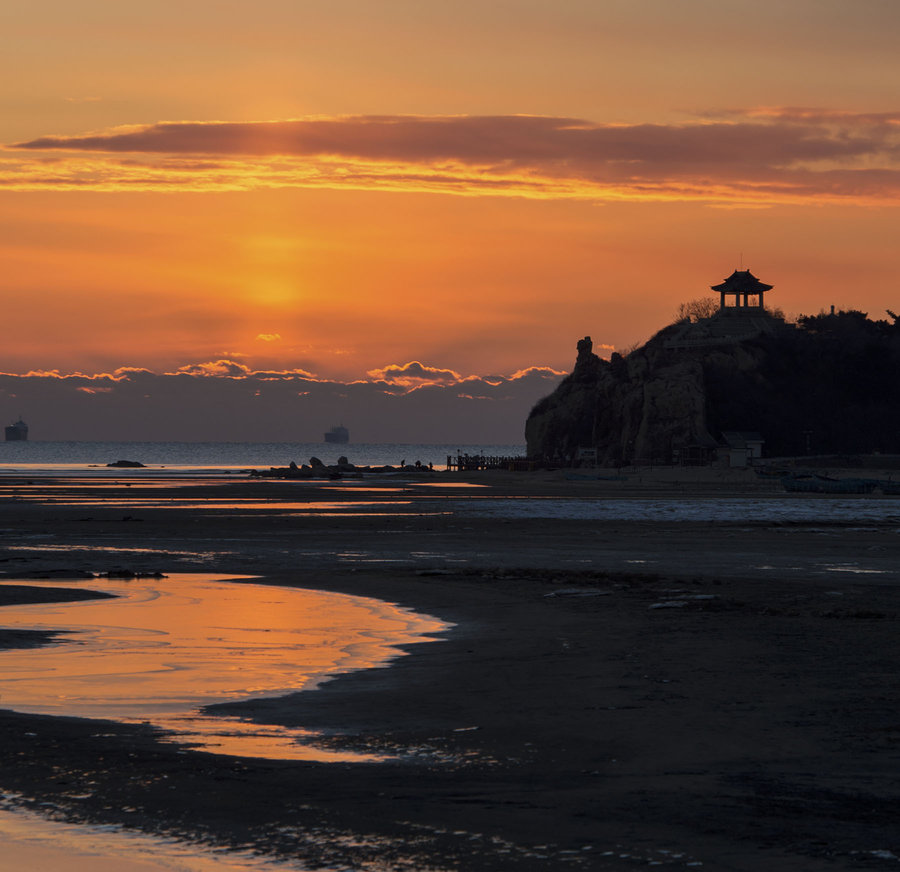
<point>339,187</point>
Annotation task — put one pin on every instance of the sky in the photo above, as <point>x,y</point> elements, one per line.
<point>401,215</point>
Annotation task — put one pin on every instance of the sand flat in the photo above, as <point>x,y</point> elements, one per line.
<point>727,697</point>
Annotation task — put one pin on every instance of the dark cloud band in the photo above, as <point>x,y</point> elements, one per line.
<point>762,155</point>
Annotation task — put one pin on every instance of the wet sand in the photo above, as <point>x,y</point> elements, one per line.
<point>614,694</point>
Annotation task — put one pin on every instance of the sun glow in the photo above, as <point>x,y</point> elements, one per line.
<point>273,292</point>
<point>383,187</point>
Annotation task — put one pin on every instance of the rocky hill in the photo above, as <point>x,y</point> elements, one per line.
<point>827,384</point>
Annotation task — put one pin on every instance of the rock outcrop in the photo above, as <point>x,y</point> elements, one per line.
<point>830,383</point>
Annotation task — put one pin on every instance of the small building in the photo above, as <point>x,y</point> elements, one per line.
<point>700,450</point>
<point>741,447</point>
<point>742,292</point>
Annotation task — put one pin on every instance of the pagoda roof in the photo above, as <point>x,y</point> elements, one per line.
<point>742,282</point>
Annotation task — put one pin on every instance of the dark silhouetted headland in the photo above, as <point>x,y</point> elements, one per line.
<point>827,384</point>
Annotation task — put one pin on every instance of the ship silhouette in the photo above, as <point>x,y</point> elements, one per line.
<point>17,432</point>
<point>339,435</point>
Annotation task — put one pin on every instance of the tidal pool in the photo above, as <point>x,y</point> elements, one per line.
<point>166,647</point>
<point>35,844</point>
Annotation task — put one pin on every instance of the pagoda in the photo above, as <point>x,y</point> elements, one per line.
<point>744,287</point>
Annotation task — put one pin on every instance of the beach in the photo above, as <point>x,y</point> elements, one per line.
<point>671,667</point>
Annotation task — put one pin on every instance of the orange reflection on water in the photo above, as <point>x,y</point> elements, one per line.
<point>453,484</point>
<point>213,504</point>
<point>167,647</point>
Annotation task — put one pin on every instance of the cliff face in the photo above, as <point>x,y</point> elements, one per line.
<point>831,383</point>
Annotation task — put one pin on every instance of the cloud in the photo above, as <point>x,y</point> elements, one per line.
<point>546,371</point>
<point>414,375</point>
<point>764,155</point>
<point>231,369</point>
<point>224,400</point>
<point>406,378</point>
<point>215,368</point>
<point>129,371</point>
<point>123,373</point>
<point>268,337</point>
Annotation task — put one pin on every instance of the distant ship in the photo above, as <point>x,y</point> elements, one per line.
<point>339,435</point>
<point>17,432</point>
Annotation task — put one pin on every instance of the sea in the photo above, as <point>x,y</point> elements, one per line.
<point>186,458</point>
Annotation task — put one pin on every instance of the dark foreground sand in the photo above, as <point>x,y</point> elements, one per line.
<point>566,723</point>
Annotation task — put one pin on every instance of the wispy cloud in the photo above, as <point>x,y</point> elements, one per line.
<point>760,156</point>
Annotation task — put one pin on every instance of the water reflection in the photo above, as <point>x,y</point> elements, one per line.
<point>167,647</point>
<point>113,549</point>
<point>222,504</point>
<point>31,843</point>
